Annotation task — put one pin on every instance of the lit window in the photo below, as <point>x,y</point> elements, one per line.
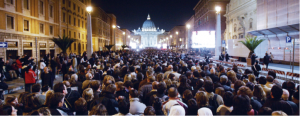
<point>26,25</point>
<point>41,28</point>
<point>51,30</point>
<point>10,22</point>
<point>26,4</point>
<point>41,7</point>
<point>51,11</point>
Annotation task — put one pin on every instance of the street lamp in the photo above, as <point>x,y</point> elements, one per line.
<point>218,33</point>
<point>176,32</point>
<point>114,26</point>
<point>89,32</point>
<point>188,26</point>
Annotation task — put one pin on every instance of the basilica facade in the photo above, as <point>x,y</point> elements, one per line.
<point>148,34</point>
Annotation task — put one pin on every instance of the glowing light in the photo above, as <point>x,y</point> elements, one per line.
<point>203,39</point>
<point>171,36</point>
<point>177,32</point>
<point>89,9</point>
<point>114,26</point>
<point>218,9</point>
<point>124,33</point>
<point>188,26</point>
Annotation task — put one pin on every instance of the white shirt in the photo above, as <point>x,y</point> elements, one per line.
<point>42,65</point>
<point>167,107</point>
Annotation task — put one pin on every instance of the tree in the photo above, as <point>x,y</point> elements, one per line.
<point>124,46</point>
<point>109,47</point>
<point>251,43</point>
<point>63,42</point>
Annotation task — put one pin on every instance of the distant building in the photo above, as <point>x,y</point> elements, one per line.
<point>205,15</point>
<point>148,34</point>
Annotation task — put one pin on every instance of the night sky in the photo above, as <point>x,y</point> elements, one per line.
<point>165,14</point>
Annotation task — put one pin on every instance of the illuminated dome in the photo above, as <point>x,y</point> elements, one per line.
<point>148,25</point>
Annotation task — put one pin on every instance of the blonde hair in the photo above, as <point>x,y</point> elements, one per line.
<point>49,94</point>
<point>231,76</point>
<point>88,94</point>
<point>279,113</point>
<point>251,78</point>
<point>127,78</point>
<point>120,85</point>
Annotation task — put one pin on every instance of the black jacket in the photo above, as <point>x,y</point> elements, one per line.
<point>276,104</point>
<point>109,101</point>
<point>266,59</point>
<point>253,59</point>
<point>214,78</point>
<point>71,97</point>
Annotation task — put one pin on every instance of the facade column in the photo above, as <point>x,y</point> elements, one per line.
<point>218,37</point>
<point>89,46</point>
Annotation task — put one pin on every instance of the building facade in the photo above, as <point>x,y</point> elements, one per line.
<point>101,29</point>
<point>205,15</point>
<point>25,21</point>
<point>178,37</point>
<point>189,32</point>
<point>148,34</point>
<point>240,18</point>
<point>277,19</point>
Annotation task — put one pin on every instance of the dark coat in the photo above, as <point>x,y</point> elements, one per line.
<point>214,78</point>
<point>266,59</point>
<point>253,59</point>
<point>71,97</point>
<point>276,104</point>
<point>109,101</point>
<point>256,68</point>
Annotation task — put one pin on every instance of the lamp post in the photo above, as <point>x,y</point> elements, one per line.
<point>124,40</point>
<point>218,33</point>
<point>114,26</point>
<point>89,32</point>
<point>188,26</point>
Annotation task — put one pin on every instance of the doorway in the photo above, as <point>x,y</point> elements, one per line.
<point>52,53</point>
<point>42,54</point>
<point>12,54</point>
<point>28,53</point>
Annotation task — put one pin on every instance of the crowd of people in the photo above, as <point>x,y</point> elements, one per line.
<point>149,82</point>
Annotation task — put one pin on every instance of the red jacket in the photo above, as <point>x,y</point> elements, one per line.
<point>29,77</point>
<point>19,63</point>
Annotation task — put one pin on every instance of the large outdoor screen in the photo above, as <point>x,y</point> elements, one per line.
<point>203,39</point>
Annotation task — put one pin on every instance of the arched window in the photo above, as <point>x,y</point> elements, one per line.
<point>234,29</point>
<point>250,23</point>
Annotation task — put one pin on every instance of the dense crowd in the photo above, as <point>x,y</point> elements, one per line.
<point>149,82</point>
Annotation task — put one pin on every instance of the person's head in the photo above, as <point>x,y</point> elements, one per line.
<point>272,73</point>
<point>223,79</point>
<point>119,86</point>
<point>279,113</point>
<point>89,76</point>
<point>231,76</point>
<point>285,94</point>
<point>187,94</point>
<point>131,68</point>
<point>290,86</point>
<point>60,88</point>
<point>95,85</point>
<point>262,80</point>
<point>46,70</point>
<point>49,94</point>
<point>149,111</point>
<point>189,74</point>
<point>250,85</point>
<point>45,88</point>
<point>160,77</point>
<point>80,105</point>
<point>44,111</point>
<point>238,84</point>
<point>241,104</point>
<point>276,92</point>
<point>243,90</point>
<point>32,102</point>
<point>133,94</point>
<point>128,84</point>
<point>171,76</point>
<point>57,100</point>
<point>173,92</point>
<point>36,88</point>
<point>177,110</point>
<point>251,78</point>
<point>140,76</point>
<point>259,92</point>
<point>88,94</point>
<point>201,99</point>
<point>209,86</point>
<point>270,79</point>
<point>196,73</point>
<point>8,110</point>
<point>149,73</point>
<point>265,111</point>
<point>228,99</point>
<point>111,88</point>
<point>22,97</point>
<point>123,106</point>
<point>127,77</point>
<point>222,69</point>
<point>175,68</point>
<point>150,79</point>
<point>220,91</point>
<point>157,103</point>
<point>204,112</point>
<point>67,84</point>
<point>161,88</point>
<point>170,67</point>
<point>99,109</point>
<point>11,100</point>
